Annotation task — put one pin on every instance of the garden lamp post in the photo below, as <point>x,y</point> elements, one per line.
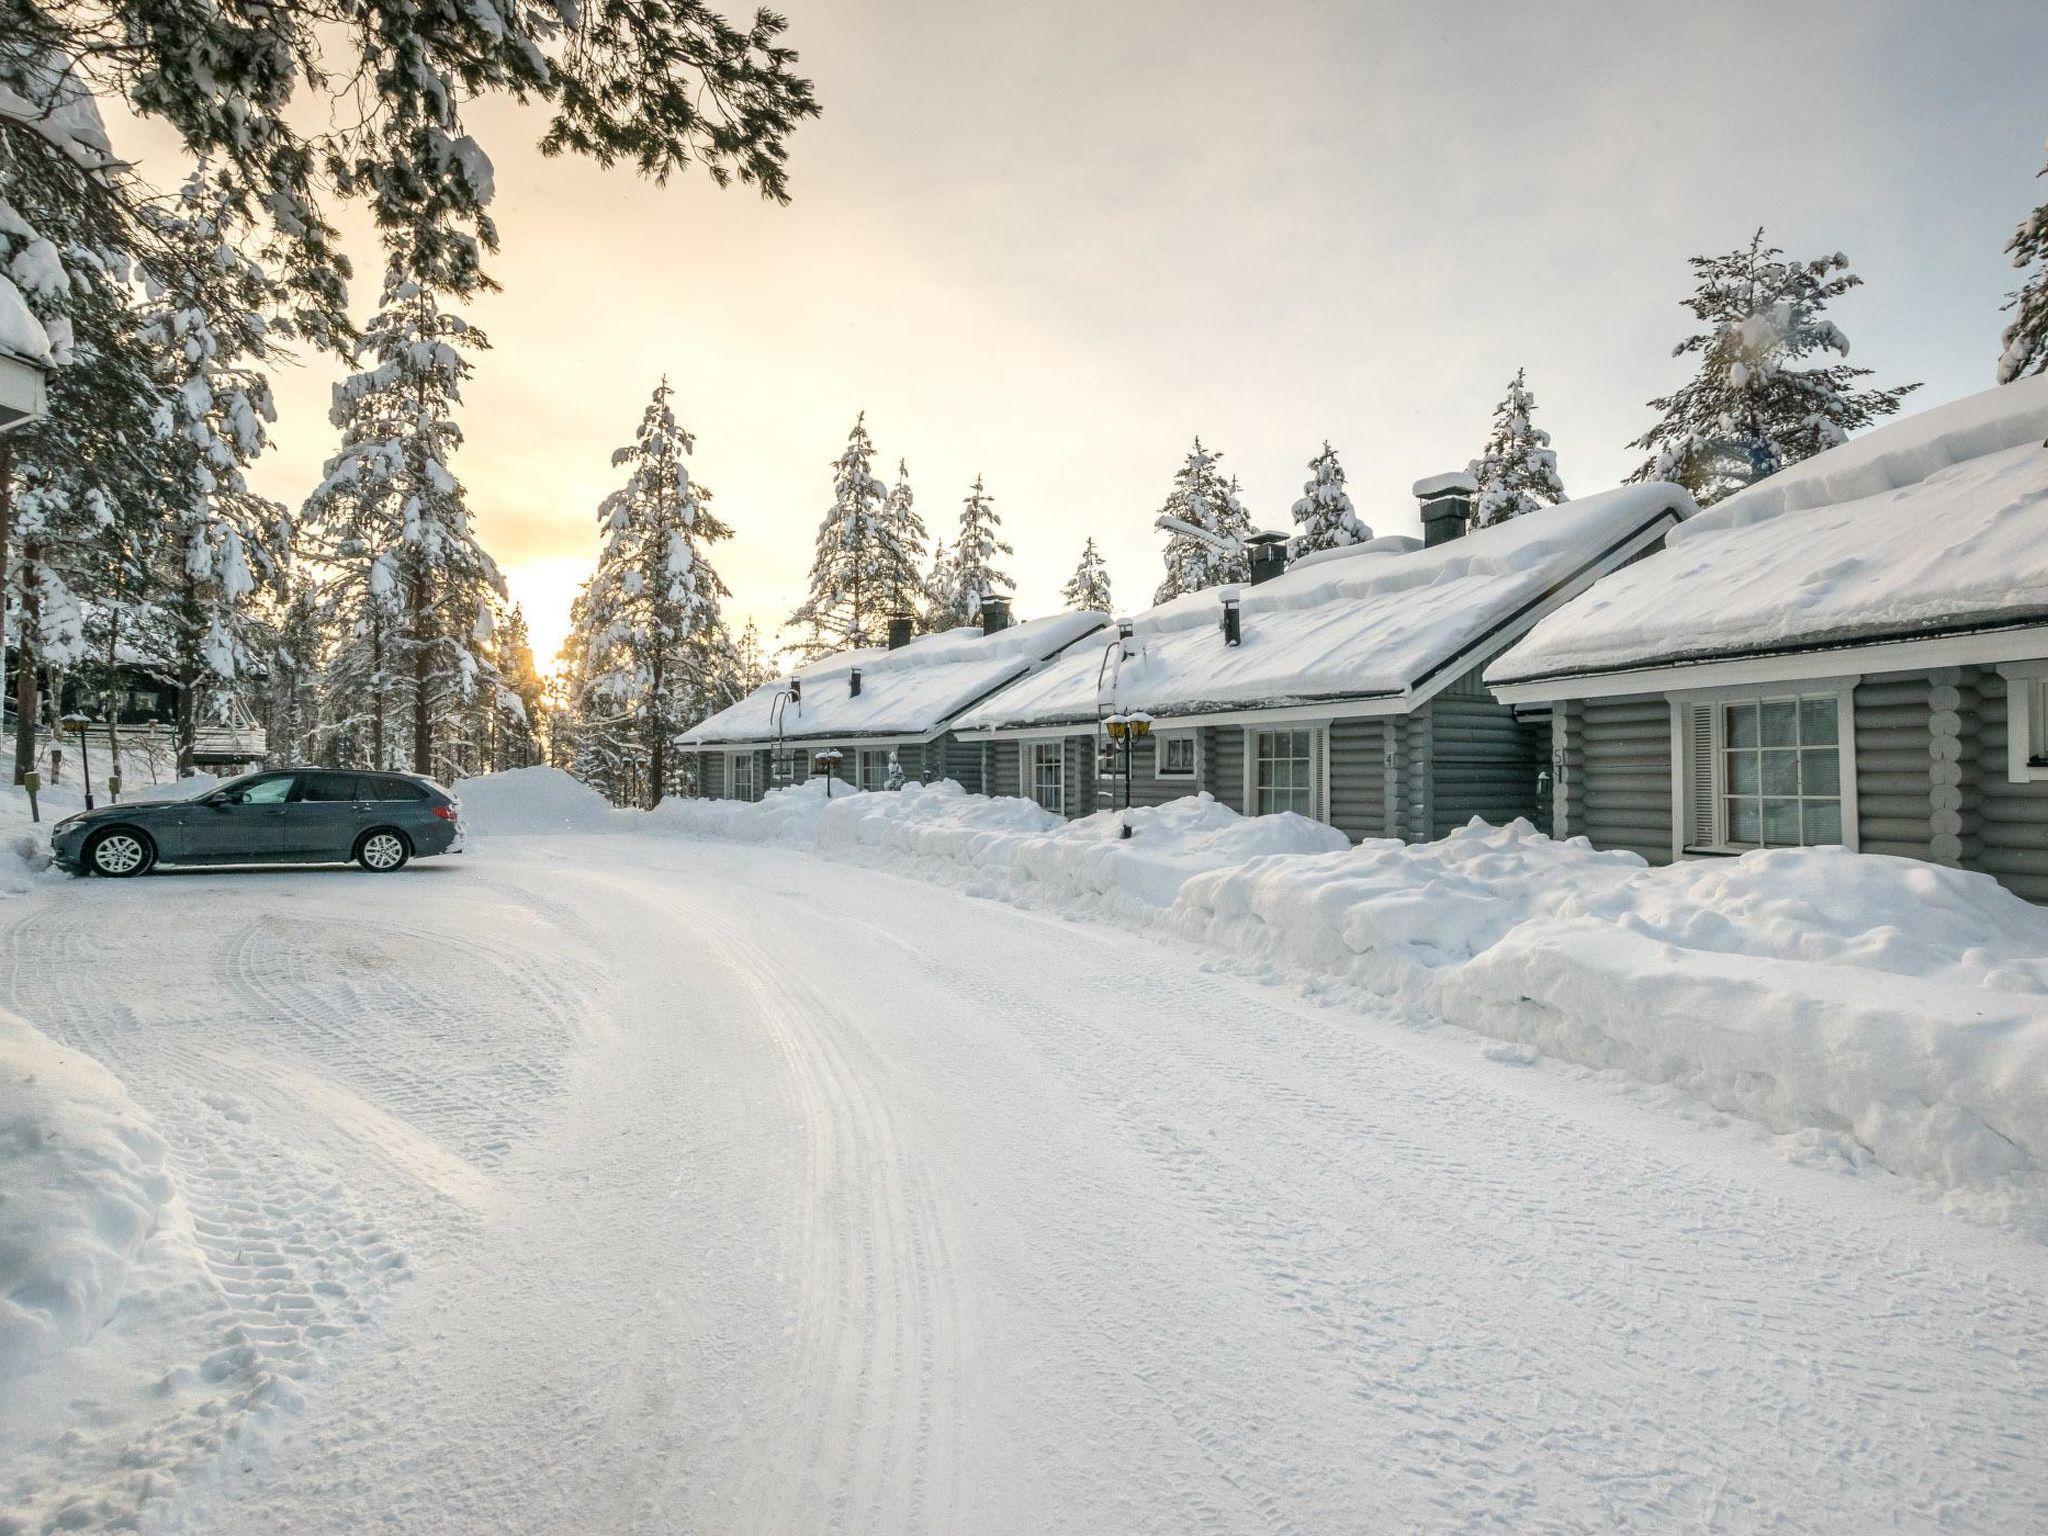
<point>76,725</point>
<point>825,762</point>
<point>1124,730</point>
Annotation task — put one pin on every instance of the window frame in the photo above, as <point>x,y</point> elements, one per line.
<point>1839,691</point>
<point>2026,721</point>
<point>732,777</point>
<point>1188,775</point>
<point>1317,758</point>
<point>1030,755</point>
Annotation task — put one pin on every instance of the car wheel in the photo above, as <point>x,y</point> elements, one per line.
<point>119,853</point>
<point>382,851</point>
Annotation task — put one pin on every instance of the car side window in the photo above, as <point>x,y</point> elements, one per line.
<point>270,791</point>
<point>325,788</point>
<point>396,789</point>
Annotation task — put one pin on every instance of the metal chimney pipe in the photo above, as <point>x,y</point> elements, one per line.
<point>1233,623</point>
<point>853,683</point>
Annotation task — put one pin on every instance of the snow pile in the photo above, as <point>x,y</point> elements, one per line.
<point>82,1187</point>
<point>1893,1002</point>
<point>530,801</point>
<point>1010,846</point>
<point>1933,522</point>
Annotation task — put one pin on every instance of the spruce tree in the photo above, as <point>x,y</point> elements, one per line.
<point>656,651</point>
<point>1516,470</point>
<point>1324,515</point>
<point>389,522</point>
<point>207,324</point>
<point>855,562</point>
<point>938,588</point>
<point>1203,499</point>
<point>1087,590</point>
<point>903,548</point>
<point>1750,409</point>
<point>2026,339</point>
<point>971,570</point>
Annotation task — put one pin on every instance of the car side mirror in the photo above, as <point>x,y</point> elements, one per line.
<point>220,800</point>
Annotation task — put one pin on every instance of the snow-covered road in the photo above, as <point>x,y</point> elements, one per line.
<point>638,1184</point>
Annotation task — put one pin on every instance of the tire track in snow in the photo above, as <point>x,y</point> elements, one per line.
<point>877,1339</point>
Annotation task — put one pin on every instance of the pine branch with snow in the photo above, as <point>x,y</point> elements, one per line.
<point>1324,517</point>
<point>1516,470</point>
<point>1087,590</point>
<point>2026,339</point>
<point>1750,409</point>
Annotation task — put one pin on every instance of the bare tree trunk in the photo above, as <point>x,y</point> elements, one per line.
<point>107,702</point>
<point>657,742</point>
<point>376,690</point>
<point>27,635</point>
<point>422,715</point>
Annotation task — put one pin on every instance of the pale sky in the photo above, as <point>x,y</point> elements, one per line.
<point>1050,243</point>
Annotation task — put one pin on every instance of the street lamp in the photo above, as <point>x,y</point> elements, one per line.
<point>824,763</point>
<point>76,725</point>
<point>1126,729</point>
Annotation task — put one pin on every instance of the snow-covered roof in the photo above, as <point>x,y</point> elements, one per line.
<point>1934,524</point>
<point>914,690</point>
<point>21,334</point>
<point>1368,623</point>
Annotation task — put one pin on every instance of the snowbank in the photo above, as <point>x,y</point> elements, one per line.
<point>528,801</point>
<point>82,1186</point>
<point>1896,1009</point>
<point>1894,1002</point>
<point>1011,846</point>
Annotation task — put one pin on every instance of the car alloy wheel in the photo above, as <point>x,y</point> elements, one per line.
<point>383,851</point>
<point>119,853</point>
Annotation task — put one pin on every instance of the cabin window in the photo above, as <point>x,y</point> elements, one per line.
<point>739,776</point>
<point>2026,721</point>
<point>1284,772</point>
<point>874,768</point>
<point>1045,767</point>
<point>1176,756</point>
<point>1781,783</point>
<point>1109,757</point>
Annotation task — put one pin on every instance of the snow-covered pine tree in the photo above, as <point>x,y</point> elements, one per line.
<point>1516,470</point>
<point>853,566</point>
<point>207,324</point>
<point>292,649</point>
<point>1750,410</point>
<point>83,489</point>
<point>1087,590</point>
<point>2026,339</point>
<point>408,579</point>
<point>1324,517</point>
<point>971,571</point>
<point>903,548</point>
<point>750,662</point>
<point>522,703</point>
<point>658,654</point>
<point>656,85</point>
<point>938,588</point>
<point>1203,499</point>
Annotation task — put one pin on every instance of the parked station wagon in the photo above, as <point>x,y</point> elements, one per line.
<point>280,816</point>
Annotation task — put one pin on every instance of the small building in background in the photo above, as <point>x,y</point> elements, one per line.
<point>1345,686</point>
<point>872,705</point>
<point>1853,651</point>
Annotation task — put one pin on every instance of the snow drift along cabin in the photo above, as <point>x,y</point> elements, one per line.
<point>1853,651</point>
<point>868,705</point>
<point>1345,688</point>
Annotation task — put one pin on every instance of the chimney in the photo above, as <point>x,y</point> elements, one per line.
<point>899,631</point>
<point>1233,624</point>
<point>853,683</point>
<point>1268,553</point>
<point>796,691</point>
<point>995,614</point>
<point>1446,506</point>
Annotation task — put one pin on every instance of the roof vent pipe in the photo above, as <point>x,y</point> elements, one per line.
<point>1268,555</point>
<point>853,683</point>
<point>1233,624</point>
<point>1446,506</point>
<point>995,614</point>
<point>899,631</point>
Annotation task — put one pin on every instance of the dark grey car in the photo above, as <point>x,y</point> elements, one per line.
<point>279,816</point>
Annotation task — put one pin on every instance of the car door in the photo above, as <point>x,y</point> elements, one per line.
<point>244,824</point>
<point>323,815</point>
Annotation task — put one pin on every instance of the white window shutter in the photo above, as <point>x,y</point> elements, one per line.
<point>1702,763</point>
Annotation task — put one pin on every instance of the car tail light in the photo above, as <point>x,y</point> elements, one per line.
<point>445,812</point>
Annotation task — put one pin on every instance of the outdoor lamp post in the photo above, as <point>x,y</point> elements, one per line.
<point>824,763</point>
<point>76,725</point>
<point>1124,730</point>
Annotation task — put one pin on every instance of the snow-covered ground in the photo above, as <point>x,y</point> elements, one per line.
<point>619,1179</point>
